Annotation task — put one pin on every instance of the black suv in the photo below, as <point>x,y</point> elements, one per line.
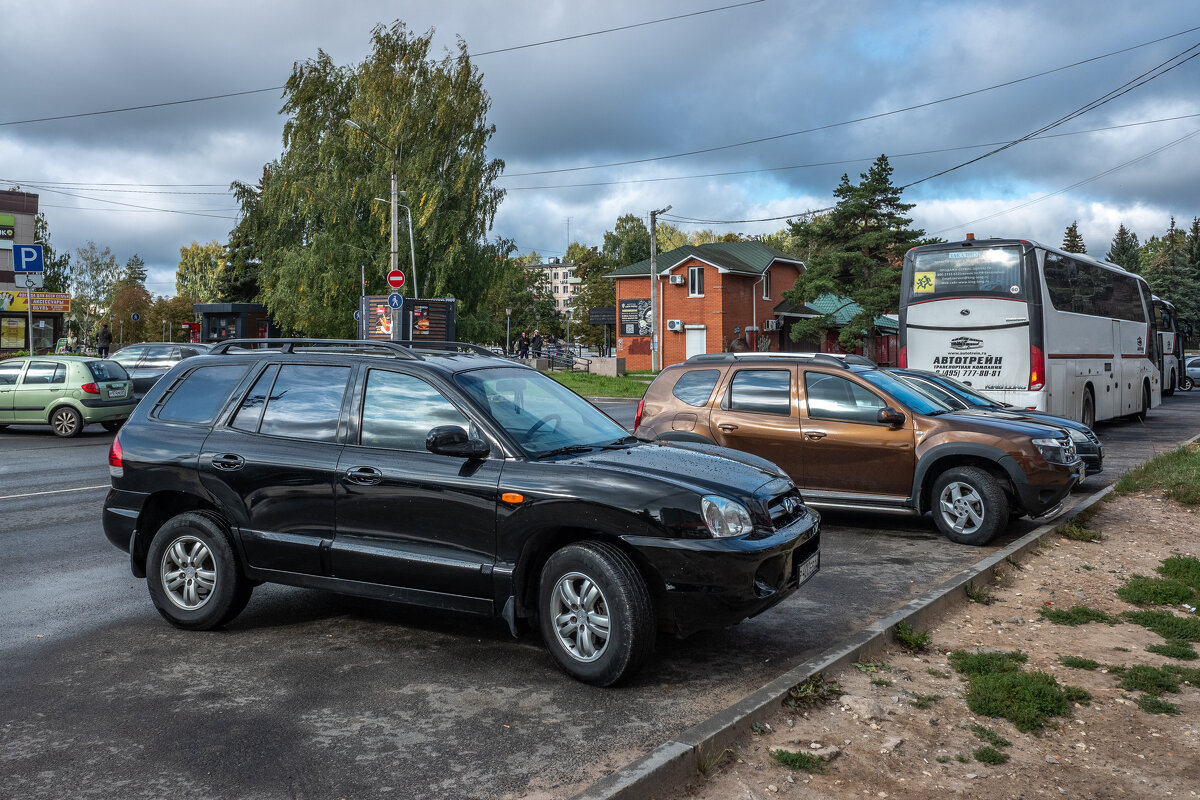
<point>448,478</point>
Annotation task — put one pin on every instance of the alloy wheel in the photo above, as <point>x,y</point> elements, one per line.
<point>581,618</point>
<point>189,573</point>
<point>962,507</point>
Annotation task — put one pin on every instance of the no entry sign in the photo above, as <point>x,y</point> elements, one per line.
<point>395,279</point>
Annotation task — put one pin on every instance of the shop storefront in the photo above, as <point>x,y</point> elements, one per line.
<point>49,308</point>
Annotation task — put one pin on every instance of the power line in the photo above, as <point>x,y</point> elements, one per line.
<point>280,88</point>
<point>849,121</point>
<point>838,162</point>
<point>118,203</point>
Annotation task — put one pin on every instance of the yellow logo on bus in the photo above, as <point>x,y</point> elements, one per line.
<point>923,281</point>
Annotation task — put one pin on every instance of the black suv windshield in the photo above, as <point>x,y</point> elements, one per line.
<point>540,414</point>
<point>965,392</point>
<point>914,399</point>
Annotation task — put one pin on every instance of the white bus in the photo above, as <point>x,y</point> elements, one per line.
<point>1032,326</point>
<point>1170,345</point>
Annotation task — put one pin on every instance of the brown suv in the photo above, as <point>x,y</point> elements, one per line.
<point>851,435</point>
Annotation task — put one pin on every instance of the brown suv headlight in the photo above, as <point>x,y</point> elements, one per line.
<point>1056,451</point>
<point>725,517</point>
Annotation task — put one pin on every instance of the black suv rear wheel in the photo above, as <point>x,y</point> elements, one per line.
<point>969,505</point>
<point>597,617</point>
<point>192,573</point>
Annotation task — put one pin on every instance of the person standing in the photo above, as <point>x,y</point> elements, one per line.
<point>537,344</point>
<point>523,345</point>
<point>103,341</point>
<point>72,342</point>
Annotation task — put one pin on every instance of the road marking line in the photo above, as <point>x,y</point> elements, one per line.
<point>56,491</point>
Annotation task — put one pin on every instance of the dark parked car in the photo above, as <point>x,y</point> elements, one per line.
<point>146,362</point>
<point>854,436</point>
<point>461,481</point>
<point>960,396</point>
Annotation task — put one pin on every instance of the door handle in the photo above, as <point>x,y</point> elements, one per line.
<point>364,476</point>
<point>228,461</point>
<point>814,435</point>
<point>727,427</point>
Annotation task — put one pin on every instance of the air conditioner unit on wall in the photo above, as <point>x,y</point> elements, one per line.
<point>677,280</point>
<point>674,324</point>
<point>772,325</point>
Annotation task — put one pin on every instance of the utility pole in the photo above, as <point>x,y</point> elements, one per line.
<point>654,315</point>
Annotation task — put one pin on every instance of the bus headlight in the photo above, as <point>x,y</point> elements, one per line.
<point>1056,451</point>
<point>725,517</point>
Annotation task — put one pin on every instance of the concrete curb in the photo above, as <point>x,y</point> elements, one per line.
<point>676,762</point>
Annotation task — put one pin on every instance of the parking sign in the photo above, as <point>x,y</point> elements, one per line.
<point>28,258</point>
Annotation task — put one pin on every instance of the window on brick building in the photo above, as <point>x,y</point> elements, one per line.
<point>695,281</point>
<point>766,282</point>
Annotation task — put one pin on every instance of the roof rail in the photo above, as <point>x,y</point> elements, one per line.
<point>438,344</point>
<point>289,345</point>
<point>827,359</point>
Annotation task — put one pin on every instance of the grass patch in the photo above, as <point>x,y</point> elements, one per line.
<point>1174,648</point>
<point>805,762</point>
<point>871,666</point>
<point>709,762</point>
<point>1143,678</point>
<point>813,692</point>
<point>1077,532</point>
<point>1075,694</point>
<point>989,755</point>
<point>1186,674</point>
<point>938,673</point>
<point>911,639</point>
<point>1076,615</point>
<point>881,682</point>
<point>1143,591</point>
<point>942,759</point>
<point>1078,662</point>
<point>924,701</point>
<point>960,758</point>
<point>1185,569</point>
<point>1166,624</point>
<point>998,687</point>
<point>590,385</point>
<point>986,734</point>
<point>1176,474</point>
<point>1156,705</point>
<point>979,593</point>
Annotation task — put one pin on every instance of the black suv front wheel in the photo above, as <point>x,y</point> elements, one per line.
<point>969,505</point>
<point>192,573</point>
<point>597,617</point>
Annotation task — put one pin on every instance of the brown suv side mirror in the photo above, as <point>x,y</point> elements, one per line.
<point>890,416</point>
<point>451,440</point>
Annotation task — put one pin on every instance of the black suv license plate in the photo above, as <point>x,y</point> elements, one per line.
<point>806,569</point>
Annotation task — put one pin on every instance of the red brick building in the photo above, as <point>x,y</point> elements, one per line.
<point>712,297</point>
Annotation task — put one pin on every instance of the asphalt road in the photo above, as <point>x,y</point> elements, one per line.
<point>310,695</point>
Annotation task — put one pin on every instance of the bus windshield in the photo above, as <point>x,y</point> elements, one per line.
<point>968,272</point>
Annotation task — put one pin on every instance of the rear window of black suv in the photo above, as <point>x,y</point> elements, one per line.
<point>199,395</point>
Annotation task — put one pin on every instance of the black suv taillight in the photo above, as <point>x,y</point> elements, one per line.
<point>114,453</point>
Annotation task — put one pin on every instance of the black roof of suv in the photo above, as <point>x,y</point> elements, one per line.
<point>448,478</point>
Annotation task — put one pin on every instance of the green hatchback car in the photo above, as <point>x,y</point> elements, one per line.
<point>65,392</point>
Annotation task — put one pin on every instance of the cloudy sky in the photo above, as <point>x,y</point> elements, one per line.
<point>782,96</point>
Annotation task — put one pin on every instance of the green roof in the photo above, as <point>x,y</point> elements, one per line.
<point>747,258</point>
<point>843,309</point>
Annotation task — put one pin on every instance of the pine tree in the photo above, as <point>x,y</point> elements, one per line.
<point>858,249</point>
<point>1072,241</point>
<point>1124,249</point>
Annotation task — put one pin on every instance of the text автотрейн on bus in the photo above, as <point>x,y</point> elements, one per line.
<point>1033,326</point>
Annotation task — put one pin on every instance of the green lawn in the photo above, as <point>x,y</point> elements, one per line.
<point>590,385</point>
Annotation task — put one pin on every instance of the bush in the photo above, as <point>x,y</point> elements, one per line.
<point>806,762</point>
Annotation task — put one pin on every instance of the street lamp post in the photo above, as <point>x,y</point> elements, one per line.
<point>507,330</point>
<point>395,262</point>
<point>569,328</point>
<point>654,342</point>
<point>412,253</point>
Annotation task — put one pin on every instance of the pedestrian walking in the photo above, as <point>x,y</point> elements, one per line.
<point>103,341</point>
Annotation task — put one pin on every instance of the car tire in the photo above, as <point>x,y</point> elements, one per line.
<point>66,422</point>
<point>596,579</point>
<point>1187,383</point>
<point>192,572</point>
<point>969,505</point>
<point>1088,415</point>
<point>112,426</point>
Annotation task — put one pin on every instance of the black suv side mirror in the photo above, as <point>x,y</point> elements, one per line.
<point>890,416</point>
<point>451,440</point>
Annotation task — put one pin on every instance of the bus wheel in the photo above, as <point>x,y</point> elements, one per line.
<point>1141,415</point>
<point>1169,386</point>
<point>1088,415</point>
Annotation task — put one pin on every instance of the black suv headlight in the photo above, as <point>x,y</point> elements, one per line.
<point>725,517</point>
<point>1056,451</point>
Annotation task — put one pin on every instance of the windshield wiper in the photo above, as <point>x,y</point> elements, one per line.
<point>571,448</point>
<point>622,443</point>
